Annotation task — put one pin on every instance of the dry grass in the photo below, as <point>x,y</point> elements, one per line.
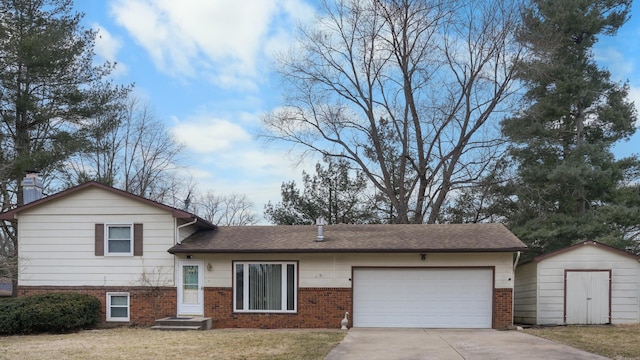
<point>139,344</point>
<point>614,341</point>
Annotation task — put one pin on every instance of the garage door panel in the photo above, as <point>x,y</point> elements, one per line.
<point>423,298</point>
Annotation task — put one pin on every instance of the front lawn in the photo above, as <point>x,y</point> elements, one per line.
<point>139,344</point>
<point>614,341</point>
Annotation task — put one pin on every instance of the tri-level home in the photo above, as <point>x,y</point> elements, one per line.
<point>145,260</point>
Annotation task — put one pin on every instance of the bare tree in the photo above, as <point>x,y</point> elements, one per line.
<point>153,283</point>
<point>8,258</point>
<point>226,210</point>
<point>131,150</point>
<point>149,153</point>
<point>411,91</point>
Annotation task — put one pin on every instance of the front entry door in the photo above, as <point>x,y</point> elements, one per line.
<point>190,288</point>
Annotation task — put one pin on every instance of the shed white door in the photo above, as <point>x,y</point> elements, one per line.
<point>423,298</point>
<point>587,297</point>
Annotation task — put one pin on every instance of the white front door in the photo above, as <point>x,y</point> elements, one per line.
<point>190,287</point>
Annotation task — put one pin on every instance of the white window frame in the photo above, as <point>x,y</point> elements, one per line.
<point>109,306</point>
<point>106,240</point>
<point>284,277</point>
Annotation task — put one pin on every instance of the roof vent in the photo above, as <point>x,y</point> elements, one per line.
<point>320,221</point>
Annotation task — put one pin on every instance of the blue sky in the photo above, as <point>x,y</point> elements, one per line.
<point>204,67</point>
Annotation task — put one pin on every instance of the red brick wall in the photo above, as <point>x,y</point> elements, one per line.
<point>502,308</point>
<point>145,305</point>
<point>317,308</point>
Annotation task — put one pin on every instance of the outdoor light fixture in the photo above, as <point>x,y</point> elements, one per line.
<point>209,267</point>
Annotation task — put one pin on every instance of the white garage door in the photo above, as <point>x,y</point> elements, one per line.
<point>422,298</point>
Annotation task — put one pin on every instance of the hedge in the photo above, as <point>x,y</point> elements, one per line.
<point>53,312</point>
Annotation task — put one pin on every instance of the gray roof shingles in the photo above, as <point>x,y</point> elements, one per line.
<point>353,238</point>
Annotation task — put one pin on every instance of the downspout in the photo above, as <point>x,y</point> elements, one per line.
<point>195,220</point>
<point>513,293</point>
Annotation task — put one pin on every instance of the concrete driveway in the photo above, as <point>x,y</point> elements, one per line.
<point>451,344</point>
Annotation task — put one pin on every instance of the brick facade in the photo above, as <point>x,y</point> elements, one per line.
<point>502,308</point>
<point>317,307</point>
<point>146,304</point>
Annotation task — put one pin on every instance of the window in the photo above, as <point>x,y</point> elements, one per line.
<point>118,306</point>
<point>265,287</point>
<point>119,240</point>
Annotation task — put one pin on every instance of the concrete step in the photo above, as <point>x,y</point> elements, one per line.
<point>184,322</point>
<point>175,328</point>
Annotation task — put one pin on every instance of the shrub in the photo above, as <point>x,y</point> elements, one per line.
<point>9,309</point>
<point>53,312</point>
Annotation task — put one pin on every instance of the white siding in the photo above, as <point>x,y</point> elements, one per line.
<point>625,283</point>
<point>57,242</point>
<point>525,294</point>
<point>335,270</point>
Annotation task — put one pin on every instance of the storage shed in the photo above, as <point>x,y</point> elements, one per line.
<point>587,283</point>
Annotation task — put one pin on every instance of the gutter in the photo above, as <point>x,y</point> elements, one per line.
<point>333,250</point>
<point>195,220</point>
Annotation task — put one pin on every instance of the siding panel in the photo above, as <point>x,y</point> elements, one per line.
<point>67,253</point>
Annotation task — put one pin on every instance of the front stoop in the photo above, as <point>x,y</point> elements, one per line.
<point>183,323</point>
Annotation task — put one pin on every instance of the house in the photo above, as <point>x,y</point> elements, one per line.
<point>102,241</point>
<point>146,260</point>
<point>587,283</point>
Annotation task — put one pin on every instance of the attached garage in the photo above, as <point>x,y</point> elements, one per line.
<point>383,275</point>
<point>423,297</point>
<point>587,283</point>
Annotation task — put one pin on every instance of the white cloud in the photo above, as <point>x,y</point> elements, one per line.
<point>221,40</point>
<point>225,159</point>
<point>255,172</point>
<point>107,47</point>
<point>634,95</point>
<point>621,67</point>
<point>210,135</point>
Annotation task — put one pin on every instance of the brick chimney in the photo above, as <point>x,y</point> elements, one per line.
<point>31,188</point>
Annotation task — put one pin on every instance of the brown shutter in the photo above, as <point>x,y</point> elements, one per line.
<point>99,239</point>
<point>137,239</point>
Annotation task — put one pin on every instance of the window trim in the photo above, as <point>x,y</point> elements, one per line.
<point>109,306</point>
<point>131,239</point>
<point>245,290</point>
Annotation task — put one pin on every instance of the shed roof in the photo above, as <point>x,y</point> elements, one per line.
<point>353,238</point>
<point>582,244</point>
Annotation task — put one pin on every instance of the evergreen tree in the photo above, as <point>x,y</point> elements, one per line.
<point>331,193</point>
<point>49,87</point>
<point>569,187</point>
<point>49,84</point>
